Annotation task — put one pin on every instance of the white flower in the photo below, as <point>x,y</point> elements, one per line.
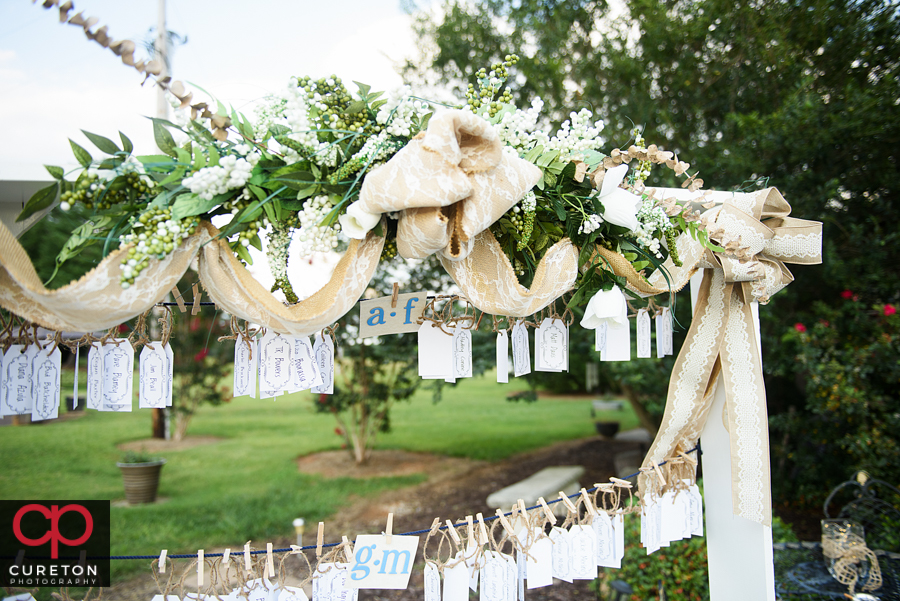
<point>356,222</point>
<point>619,206</point>
<point>604,307</point>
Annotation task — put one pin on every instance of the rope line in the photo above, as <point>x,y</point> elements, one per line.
<point>329,545</point>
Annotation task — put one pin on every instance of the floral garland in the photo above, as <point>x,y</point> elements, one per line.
<point>299,168</point>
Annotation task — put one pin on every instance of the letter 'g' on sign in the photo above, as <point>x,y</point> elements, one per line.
<point>53,514</point>
<point>379,565</point>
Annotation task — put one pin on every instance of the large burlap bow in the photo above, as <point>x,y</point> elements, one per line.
<point>722,336</point>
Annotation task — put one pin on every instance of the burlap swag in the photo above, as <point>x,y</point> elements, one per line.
<point>446,188</point>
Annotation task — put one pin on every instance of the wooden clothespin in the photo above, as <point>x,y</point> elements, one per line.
<point>394,294</point>
<point>162,561</point>
<point>248,565</point>
<point>621,483</point>
<point>588,503</point>
<point>195,308</point>
<point>568,503</point>
<point>522,508</point>
<point>347,547</point>
<point>470,530</point>
<point>482,529</point>
<point>453,534</point>
<point>505,523</point>
<point>547,513</point>
<point>435,525</point>
<point>177,294</point>
<point>226,557</point>
<point>201,563</point>
<point>388,528</point>
<point>687,457</point>
<point>270,561</point>
<point>659,474</point>
<point>319,536</point>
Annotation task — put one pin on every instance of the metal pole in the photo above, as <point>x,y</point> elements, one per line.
<point>162,55</point>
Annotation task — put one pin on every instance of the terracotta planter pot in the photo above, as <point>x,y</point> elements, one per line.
<point>141,481</point>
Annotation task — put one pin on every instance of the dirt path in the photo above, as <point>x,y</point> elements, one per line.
<point>456,488</point>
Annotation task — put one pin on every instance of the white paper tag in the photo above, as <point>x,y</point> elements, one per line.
<point>539,563</point>
<point>474,562</point>
<point>494,575</point>
<point>246,354</point>
<point>600,336</point>
<point>502,357</point>
<point>660,335</point>
<point>462,352</point>
<point>435,352</point>
<point>650,527</point>
<point>643,334</point>
<point>153,386</point>
<point>618,343</point>
<point>275,363</point>
<point>306,370</point>
<point>259,589</point>
<point>170,378</point>
<point>696,504</point>
<point>560,538</point>
<point>95,377</point>
<point>520,351</point>
<point>582,553</point>
<point>512,579</point>
<point>618,523</point>
<point>17,372</point>
<point>551,346</point>
<point>324,352</point>
<point>289,593</point>
<point>75,385</point>
<point>456,582</point>
<point>46,387</point>
<point>118,375</point>
<point>432,583</point>
<point>667,326</point>
<point>521,573</point>
<point>606,540</point>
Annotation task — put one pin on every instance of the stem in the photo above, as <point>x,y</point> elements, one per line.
<point>277,254</point>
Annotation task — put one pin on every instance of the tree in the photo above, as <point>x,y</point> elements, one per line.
<point>799,94</point>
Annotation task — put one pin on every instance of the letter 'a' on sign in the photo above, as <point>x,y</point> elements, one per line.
<point>378,317</point>
<point>376,564</point>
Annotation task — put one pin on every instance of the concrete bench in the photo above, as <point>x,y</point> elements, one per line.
<point>599,405</point>
<point>546,483</point>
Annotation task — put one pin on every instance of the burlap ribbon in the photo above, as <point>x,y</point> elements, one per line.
<point>848,551</point>
<point>722,336</point>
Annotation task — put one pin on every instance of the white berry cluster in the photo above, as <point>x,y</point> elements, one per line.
<point>268,113</point>
<point>574,137</point>
<point>590,224</point>
<point>154,235</point>
<point>277,246</point>
<point>231,172</point>
<point>314,237</point>
<point>652,221</point>
<point>376,150</point>
<point>303,130</point>
<point>519,129</point>
<point>641,169</point>
<point>401,112</point>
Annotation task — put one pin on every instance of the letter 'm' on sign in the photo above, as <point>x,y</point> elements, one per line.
<point>379,565</point>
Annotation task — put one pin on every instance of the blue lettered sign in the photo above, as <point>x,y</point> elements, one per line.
<point>377,316</point>
<point>379,565</point>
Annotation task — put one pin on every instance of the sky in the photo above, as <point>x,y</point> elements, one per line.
<point>56,82</point>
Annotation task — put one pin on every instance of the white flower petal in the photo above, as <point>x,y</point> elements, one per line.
<point>619,208</point>
<point>607,306</point>
<point>612,179</point>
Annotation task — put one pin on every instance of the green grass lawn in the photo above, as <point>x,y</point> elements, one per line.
<point>247,486</point>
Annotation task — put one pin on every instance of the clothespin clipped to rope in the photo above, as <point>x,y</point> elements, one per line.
<point>604,486</point>
<point>162,561</point>
<point>248,565</point>
<point>659,474</point>
<point>388,528</point>
<point>547,513</point>
<point>226,557</point>
<point>506,525</point>
<point>620,483</point>
<point>319,536</point>
<point>195,308</point>
<point>588,503</point>
<point>177,294</point>
<point>201,563</point>
<point>435,525</point>
<point>347,547</point>
<point>522,508</point>
<point>470,530</point>
<point>687,457</point>
<point>568,502</point>
<point>270,561</point>
<point>394,293</point>
<point>453,534</point>
<point>482,529</point>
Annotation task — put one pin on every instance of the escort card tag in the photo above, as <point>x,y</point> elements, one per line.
<point>118,375</point>
<point>462,352</point>
<point>95,377</point>
<point>474,562</point>
<point>667,326</point>
<point>660,335</point>
<point>306,370</point>
<point>560,539</point>
<point>324,352</point>
<point>643,334</point>
<point>17,372</point>
<point>618,343</point>
<point>170,378</point>
<point>606,540</point>
<point>47,368</point>
<point>493,577</point>
<point>435,352</point>
<point>502,357</point>
<point>521,573</point>
<point>377,317</point>
<point>582,553</point>
<point>288,593</point>
<point>153,385</point>
<point>696,504</point>
<point>618,523</point>
<point>673,516</point>
<point>512,579</point>
<point>275,363</point>
<point>551,344</point>
<point>377,564</point>
<point>259,589</point>
<point>456,581</point>
<point>74,386</point>
<point>600,336</point>
<point>246,355</point>
<point>432,583</point>
<point>539,563</point>
<point>521,355</point>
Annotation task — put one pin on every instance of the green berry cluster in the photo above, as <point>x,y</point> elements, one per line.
<point>489,84</point>
<point>96,194</point>
<point>332,101</point>
<point>153,235</point>
<point>525,230</point>
<point>389,250</point>
<point>673,248</point>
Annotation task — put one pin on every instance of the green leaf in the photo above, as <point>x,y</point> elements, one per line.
<point>164,139</point>
<point>175,176</point>
<point>306,193</point>
<point>279,130</point>
<point>244,254</point>
<point>184,157</point>
<point>270,212</point>
<point>363,88</point>
<point>534,153</point>
<point>189,205</point>
<point>547,158</point>
<point>42,199</point>
<point>259,192</point>
<point>357,106</point>
<point>127,146</point>
<point>213,156</point>
<point>56,172</point>
<point>104,144</point>
<point>81,155</point>
<point>256,243</point>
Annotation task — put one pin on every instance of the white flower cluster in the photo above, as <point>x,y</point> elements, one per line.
<point>529,202</point>
<point>574,136</point>
<point>376,150</point>
<point>269,113</point>
<point>399,112</point>
<point>303,131</point>
<point>519,129</point>
<point>590,224</point>
<point>277,246</point>
<point>231,172</point>
<point>312,236</point>
<point>652,220</point>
